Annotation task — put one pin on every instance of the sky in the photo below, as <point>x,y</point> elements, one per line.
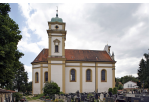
<point>91,26</point>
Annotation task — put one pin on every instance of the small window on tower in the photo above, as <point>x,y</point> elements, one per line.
<point>56,48</point>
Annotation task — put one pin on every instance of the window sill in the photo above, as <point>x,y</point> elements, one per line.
<point>36,82</point>
<point>72,81</point>
<point>88,81</point>
<point>103,81</point>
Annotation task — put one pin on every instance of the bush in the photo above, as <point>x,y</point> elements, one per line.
<point>120,87</point>
<point>110,90</point>
<point>47,97</point>
<point>18,96</point>
<point>114,91</point>
<point>61,93</point>
<point>89,95</point>
<point>51,88</point>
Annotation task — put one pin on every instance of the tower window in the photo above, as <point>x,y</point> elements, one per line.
<point>36,77</point>
<point>56,48</point>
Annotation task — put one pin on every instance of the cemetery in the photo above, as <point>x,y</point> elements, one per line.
<point>97,97</point>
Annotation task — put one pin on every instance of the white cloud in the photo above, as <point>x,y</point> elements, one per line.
<point>28,68</point>
<point>91,26</point>
<point>26,45</point>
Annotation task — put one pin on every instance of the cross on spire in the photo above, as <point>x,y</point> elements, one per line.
<point>57,11</point>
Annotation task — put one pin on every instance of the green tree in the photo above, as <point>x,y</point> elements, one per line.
<point>51,88</point>
<point>117,82</point>
<point>143,71</point>
<point>128,78</point>
<point>110,90</point>
<point>9,55</point>
<point>114,90</point>
<point>29,87</point>
<point>21,79</point>
<point>120,87</point>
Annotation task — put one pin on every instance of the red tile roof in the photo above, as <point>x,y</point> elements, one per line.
<point>77,55</point>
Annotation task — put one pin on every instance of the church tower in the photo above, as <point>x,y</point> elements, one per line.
<point>56,51</point>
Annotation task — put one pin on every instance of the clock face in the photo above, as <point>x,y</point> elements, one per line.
<point>56,27</point>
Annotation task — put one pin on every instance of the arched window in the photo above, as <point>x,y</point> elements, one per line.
<point>46,76</point>
<point>103,76</point>
<point>88,75</point>
<point>36,77</point>
<point>72,75</point>
<point>56,44</point>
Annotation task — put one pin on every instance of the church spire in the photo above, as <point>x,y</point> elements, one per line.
<point>57,12</point>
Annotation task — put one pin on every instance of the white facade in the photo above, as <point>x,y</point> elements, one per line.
<point>88,86</point>
<point>72,87</point>
<point>37,88</point>
<point>130,84</point>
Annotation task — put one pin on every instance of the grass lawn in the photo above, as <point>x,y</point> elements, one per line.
<point>29,98</point>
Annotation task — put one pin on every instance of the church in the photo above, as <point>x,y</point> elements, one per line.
<point>72,69</point>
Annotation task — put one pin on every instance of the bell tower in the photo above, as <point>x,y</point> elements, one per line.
<point>56,54</point>
<point>57,37</point>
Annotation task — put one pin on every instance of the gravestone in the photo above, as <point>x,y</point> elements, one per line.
<point>121,98</point>
<point>101,97</point>
<point>107,95</point>
<point>135,99</point>
<point>144,98</point>
<point>69,99</point>
<point>109,99</point>
<point>92,99</point>
<point>82,97</point>
<point>96,96</point>
<point>110,93</point>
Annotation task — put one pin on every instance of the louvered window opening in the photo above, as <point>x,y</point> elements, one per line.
<point>56,48</point>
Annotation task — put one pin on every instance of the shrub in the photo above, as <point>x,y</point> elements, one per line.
<point>18,96</point>
<point>114,91</point>
<point>61,93</point>
<point>89,95</point>
<point>51,88</point>
<point>110,90</point>
<point>60,100</point>
<point>47,97</point>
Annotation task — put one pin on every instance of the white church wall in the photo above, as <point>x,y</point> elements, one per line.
<point>88,86</point>
<point>44,70</point>
<point>53,26</point>
<point>56,75</point>
<point>36,86</point>
<point>88,64</point>
<point>104,86</point>
<point>72,64</point>
<point>45,65</point>
<point>104,64</point>
<point>53,46</point>
<point>36,65</point>
<point>72,87</point>
<point>56,61</point>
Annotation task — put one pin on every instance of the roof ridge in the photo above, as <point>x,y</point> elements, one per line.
<point>79,49</point>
